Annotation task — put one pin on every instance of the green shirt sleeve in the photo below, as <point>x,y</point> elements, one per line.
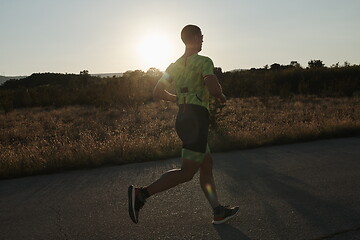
<point>165,78</point>
<point>208,67</point>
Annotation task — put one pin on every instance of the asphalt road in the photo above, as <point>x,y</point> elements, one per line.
<point>298,191</point>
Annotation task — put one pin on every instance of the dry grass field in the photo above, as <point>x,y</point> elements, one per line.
<point>43,140</point>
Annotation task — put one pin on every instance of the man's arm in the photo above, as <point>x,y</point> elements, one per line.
<point>160,93</point>
<point>214,87</point>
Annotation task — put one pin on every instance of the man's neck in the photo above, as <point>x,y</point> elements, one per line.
<point>190,51</point>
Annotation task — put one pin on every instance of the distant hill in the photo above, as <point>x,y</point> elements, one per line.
<point>101,75</point>
<point>5,78</point>
<point>38,79</point>
<point>41,79</point>
<point>105,75</point>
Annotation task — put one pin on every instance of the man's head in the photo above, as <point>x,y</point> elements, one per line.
<point>192,37</point>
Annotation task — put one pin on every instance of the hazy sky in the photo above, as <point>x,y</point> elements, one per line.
<point>110,36</point>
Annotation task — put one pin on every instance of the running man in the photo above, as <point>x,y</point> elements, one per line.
<point>194,80</point>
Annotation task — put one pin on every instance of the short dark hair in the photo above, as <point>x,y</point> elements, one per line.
<point>188,32</point>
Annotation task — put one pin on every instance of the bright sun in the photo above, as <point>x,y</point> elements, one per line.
<point>155,51</point>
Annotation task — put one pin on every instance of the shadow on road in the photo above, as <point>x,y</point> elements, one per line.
<point>229,232</point>
<point>313,193</point>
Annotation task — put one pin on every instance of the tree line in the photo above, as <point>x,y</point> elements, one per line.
<point>59,90</point>
<point>289,80</point>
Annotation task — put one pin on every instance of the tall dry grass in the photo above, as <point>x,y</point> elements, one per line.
<point>40,140</point>
<point>253,122</point>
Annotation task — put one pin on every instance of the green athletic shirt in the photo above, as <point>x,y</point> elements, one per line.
<point>187,75</point>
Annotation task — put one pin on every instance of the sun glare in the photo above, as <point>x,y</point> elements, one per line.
<point>155,51</point>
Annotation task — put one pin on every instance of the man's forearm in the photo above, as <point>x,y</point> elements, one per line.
<point>166,96</point>
<point>170,97</point>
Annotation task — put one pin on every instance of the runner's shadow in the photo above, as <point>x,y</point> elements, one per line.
<point>228,232</point>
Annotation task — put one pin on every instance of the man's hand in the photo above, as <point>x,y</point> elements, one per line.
<point>160,93</point>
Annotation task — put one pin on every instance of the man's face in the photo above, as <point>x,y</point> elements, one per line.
<point>198,40</point>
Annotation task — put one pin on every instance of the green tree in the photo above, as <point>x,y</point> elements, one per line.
<point>295,64</point>
<point>275,66</point>
<point>84,72</point>
<point>316,64</point>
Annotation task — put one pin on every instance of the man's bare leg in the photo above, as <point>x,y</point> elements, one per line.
<point>174,177</point>
<point>207,181</point>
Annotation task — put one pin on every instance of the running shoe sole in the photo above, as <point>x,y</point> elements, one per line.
<point>132,211</point>
<point>226,219</point>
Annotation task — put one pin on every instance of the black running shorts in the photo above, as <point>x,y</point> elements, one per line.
<point>192,126</point>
